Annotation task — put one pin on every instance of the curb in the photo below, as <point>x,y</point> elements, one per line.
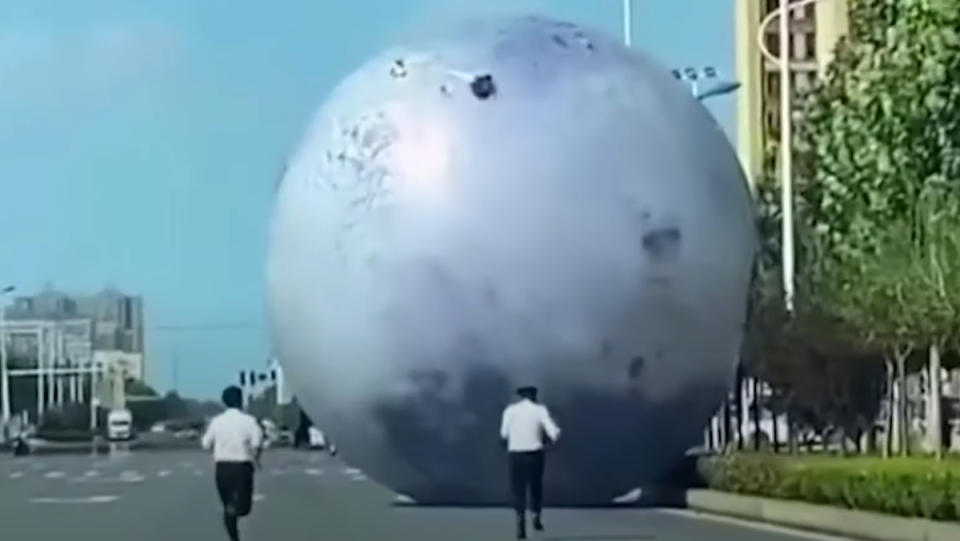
<point>821,518</point>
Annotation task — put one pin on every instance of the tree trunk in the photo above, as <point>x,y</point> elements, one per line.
<point>727,424</point>
<point>741,410</point>
<point>934,416</point>
<point>904,432</point>
<point>791,433</point>
<point>888,414</point>
<point>775,430</point>
<point>871,439</point>
<point>756,414</point>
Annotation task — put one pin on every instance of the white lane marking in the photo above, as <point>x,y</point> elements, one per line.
<point>130,476</point>
<point>259,497</point>
<point>403,499</point>
<point>358,478</point>
<point>186,464</point>
<point>16,475</point>
<point>352,471</point>
<point>761,526</point>
<point>163,473</point>
<point>277,471</point>
<point>54,475</point>
<point>91,473</point>
<point>84,500</point>
<point>314,471</point>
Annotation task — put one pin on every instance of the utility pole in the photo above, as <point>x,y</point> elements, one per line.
<point>175,379</point>
<point>628,23</point>
<point>4,377</point>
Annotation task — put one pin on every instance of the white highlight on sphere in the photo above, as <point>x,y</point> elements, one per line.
<point>520,201</point>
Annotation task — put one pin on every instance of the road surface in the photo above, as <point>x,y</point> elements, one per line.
<point>161,496</point>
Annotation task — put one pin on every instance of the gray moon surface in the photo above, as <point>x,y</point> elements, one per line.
<point>515,201</point>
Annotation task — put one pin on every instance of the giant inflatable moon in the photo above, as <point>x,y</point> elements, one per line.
<point>519,201</point>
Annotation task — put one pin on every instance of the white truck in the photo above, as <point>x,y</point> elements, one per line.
<point>317,440</point>
<point>119,425</point>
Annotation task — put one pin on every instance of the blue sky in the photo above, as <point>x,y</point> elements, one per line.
<point>139,142</point>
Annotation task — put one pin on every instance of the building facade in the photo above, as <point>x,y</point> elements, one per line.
<point>815,29</point>
<point>107,327</point>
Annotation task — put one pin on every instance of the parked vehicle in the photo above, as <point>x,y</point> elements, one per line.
<point>317,440</point>
<point>120,425</point>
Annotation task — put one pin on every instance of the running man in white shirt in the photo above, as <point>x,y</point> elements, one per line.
<point>237,441</point>
<point>523,426</point>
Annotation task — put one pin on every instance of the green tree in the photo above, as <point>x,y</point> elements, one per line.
<point>878,154</point>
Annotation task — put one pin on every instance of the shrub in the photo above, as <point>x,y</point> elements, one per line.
<point>914,487</point>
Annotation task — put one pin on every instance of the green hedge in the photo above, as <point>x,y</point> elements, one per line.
<point>911,487</point>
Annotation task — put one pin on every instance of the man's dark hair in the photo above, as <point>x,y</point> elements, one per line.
<point>232,397</point>
<point>529,392</point>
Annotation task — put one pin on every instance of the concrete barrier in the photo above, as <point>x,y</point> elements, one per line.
<point>822,518</point>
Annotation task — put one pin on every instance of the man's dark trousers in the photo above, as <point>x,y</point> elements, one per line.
<point>526,474</point>
<point>235,486</point>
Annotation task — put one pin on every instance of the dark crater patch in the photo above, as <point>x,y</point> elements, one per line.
<point>662,243</point>
<point>483,87</point>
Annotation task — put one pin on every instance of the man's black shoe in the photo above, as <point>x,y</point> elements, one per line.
<point>521,528</point>
<point>537,524</point>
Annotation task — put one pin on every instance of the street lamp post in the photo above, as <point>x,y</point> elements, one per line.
<point>786,138</point>
<point>628,22</point>
<point>786,157</point>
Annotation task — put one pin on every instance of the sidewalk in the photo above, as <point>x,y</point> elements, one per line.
<point>824,519</point>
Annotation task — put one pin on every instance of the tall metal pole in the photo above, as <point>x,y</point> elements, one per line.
<point>176,374</point>
<point>628,22</point>
<point>94,399</point>
<point>4,377</point>
<point>786,156</point>
<point>51,368</point>
<point>40,387</point>
<point>58,352</point>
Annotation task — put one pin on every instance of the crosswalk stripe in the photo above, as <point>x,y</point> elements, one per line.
<point>88,499</point>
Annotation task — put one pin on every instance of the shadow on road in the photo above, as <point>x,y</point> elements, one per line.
<point>601,538</point>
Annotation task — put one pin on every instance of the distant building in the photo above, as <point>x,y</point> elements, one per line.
<point>814,32</point>
<point>107,327</point>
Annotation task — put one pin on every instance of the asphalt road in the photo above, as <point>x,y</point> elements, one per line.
<point>300,496</point>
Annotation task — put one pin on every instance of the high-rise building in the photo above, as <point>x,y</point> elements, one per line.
<point>815,29</point>
<point>109,324</point>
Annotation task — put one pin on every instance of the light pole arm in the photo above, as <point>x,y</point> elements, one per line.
<point>761,42</point>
